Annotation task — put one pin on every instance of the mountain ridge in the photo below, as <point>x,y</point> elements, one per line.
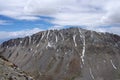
<point>61,30</point>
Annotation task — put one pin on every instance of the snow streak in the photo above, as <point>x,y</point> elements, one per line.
<point>62,36</point>
<point>48,34</point>
<point>83,51</point>
<point>91,74</point>
<point>49,44</point>
<point>74,36</point>
<point>43,35</point>
<point>34,53</point>
<point>56,38</point>
<point>113,64</point>
<point>29,39</point>
<point>91,34</point>
<point>37,45</point>
<point>20,42</point>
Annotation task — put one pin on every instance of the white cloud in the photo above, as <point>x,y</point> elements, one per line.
<point>77,19</point>
<point>112,29</point>
<point>58,27</point>
<point>64,12</point>
<point>112,15</point>
<point>15,34</point>
<point>3,22</point>
<point>76,11</point>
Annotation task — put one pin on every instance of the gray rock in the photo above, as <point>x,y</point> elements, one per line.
<point>8,71</point>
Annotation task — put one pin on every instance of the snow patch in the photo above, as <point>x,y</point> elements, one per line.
<point>65,53</point>
<point>113,64</point>
<point>56,39</point>
<point>34,42</point>
<point>83,51</point>
<point>74,37</point>
<point>48,34</point>
<point>51,45</point>
<point>91,34</point>
<point>7,46</point>
<point>29,39</point>
<point>99,33</point>
<point>37,45</point>
<point>62,36</point>
<point>34,53</point>
<point>40,73</point>
<point>57,50</point>
<point>31,49</point>
<point>20,42</point>
<point>43,35</point>
<point>91,74</point>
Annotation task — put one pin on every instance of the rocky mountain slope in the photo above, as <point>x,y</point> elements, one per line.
<point>68,54</point>
<point>8,71</point>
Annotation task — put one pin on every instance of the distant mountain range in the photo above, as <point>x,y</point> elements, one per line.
<point>67,54</point>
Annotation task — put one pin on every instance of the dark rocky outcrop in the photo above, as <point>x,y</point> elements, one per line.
<point>68,54</point>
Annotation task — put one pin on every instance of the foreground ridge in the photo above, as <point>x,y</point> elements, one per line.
<point>9,71</point>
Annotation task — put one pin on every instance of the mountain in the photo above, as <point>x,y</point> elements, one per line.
<point>67,54</point>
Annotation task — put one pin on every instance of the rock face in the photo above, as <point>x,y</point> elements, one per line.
<point>68,54</point>
<point>8,71</point>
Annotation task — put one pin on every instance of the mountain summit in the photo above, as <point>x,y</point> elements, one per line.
<point>67,54</point>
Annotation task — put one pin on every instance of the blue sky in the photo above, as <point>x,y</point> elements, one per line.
<point>15,25</point>
<point>19,18</point>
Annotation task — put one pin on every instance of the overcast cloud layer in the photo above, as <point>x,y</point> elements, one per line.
<point>91,13</point>
<point>65,12</point>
